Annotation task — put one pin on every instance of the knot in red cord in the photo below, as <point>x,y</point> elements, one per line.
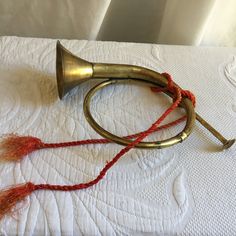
<point>170,84</point>
<point>171,87</point>
<point>31,186</point>
<point>189,95</point>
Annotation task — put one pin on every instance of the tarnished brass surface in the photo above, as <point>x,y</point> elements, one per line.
<point>186,104</point>
<point>72,71</point>
<point>226,143</point>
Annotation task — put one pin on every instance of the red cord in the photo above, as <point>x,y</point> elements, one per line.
<point>104,141</point>
<point>17,147</point>
<point>178,94</point>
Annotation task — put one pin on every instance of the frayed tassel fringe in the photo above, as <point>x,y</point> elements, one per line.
<point>11,196</point>
<point>14,148</point>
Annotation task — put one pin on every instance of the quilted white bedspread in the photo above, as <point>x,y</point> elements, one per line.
<point>188,189</point>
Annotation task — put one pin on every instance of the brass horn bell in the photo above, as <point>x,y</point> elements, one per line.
<point>72,71</point>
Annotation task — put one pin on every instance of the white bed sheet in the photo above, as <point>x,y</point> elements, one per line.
<point>186,189</point>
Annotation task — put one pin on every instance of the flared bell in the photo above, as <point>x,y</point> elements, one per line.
<point>71,70</point>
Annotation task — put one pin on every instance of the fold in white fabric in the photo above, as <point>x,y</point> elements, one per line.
<point>188,189</point>
<point>186,22</point>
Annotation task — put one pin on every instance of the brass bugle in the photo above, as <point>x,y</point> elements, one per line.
<point>72,71</point>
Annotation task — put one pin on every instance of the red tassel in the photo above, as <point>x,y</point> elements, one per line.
<point>11,196</point>
<point>14,148</point>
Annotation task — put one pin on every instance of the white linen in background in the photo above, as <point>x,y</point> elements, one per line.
<point>188,22</point>
<point>52,19</point>
<point>188,189</point>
